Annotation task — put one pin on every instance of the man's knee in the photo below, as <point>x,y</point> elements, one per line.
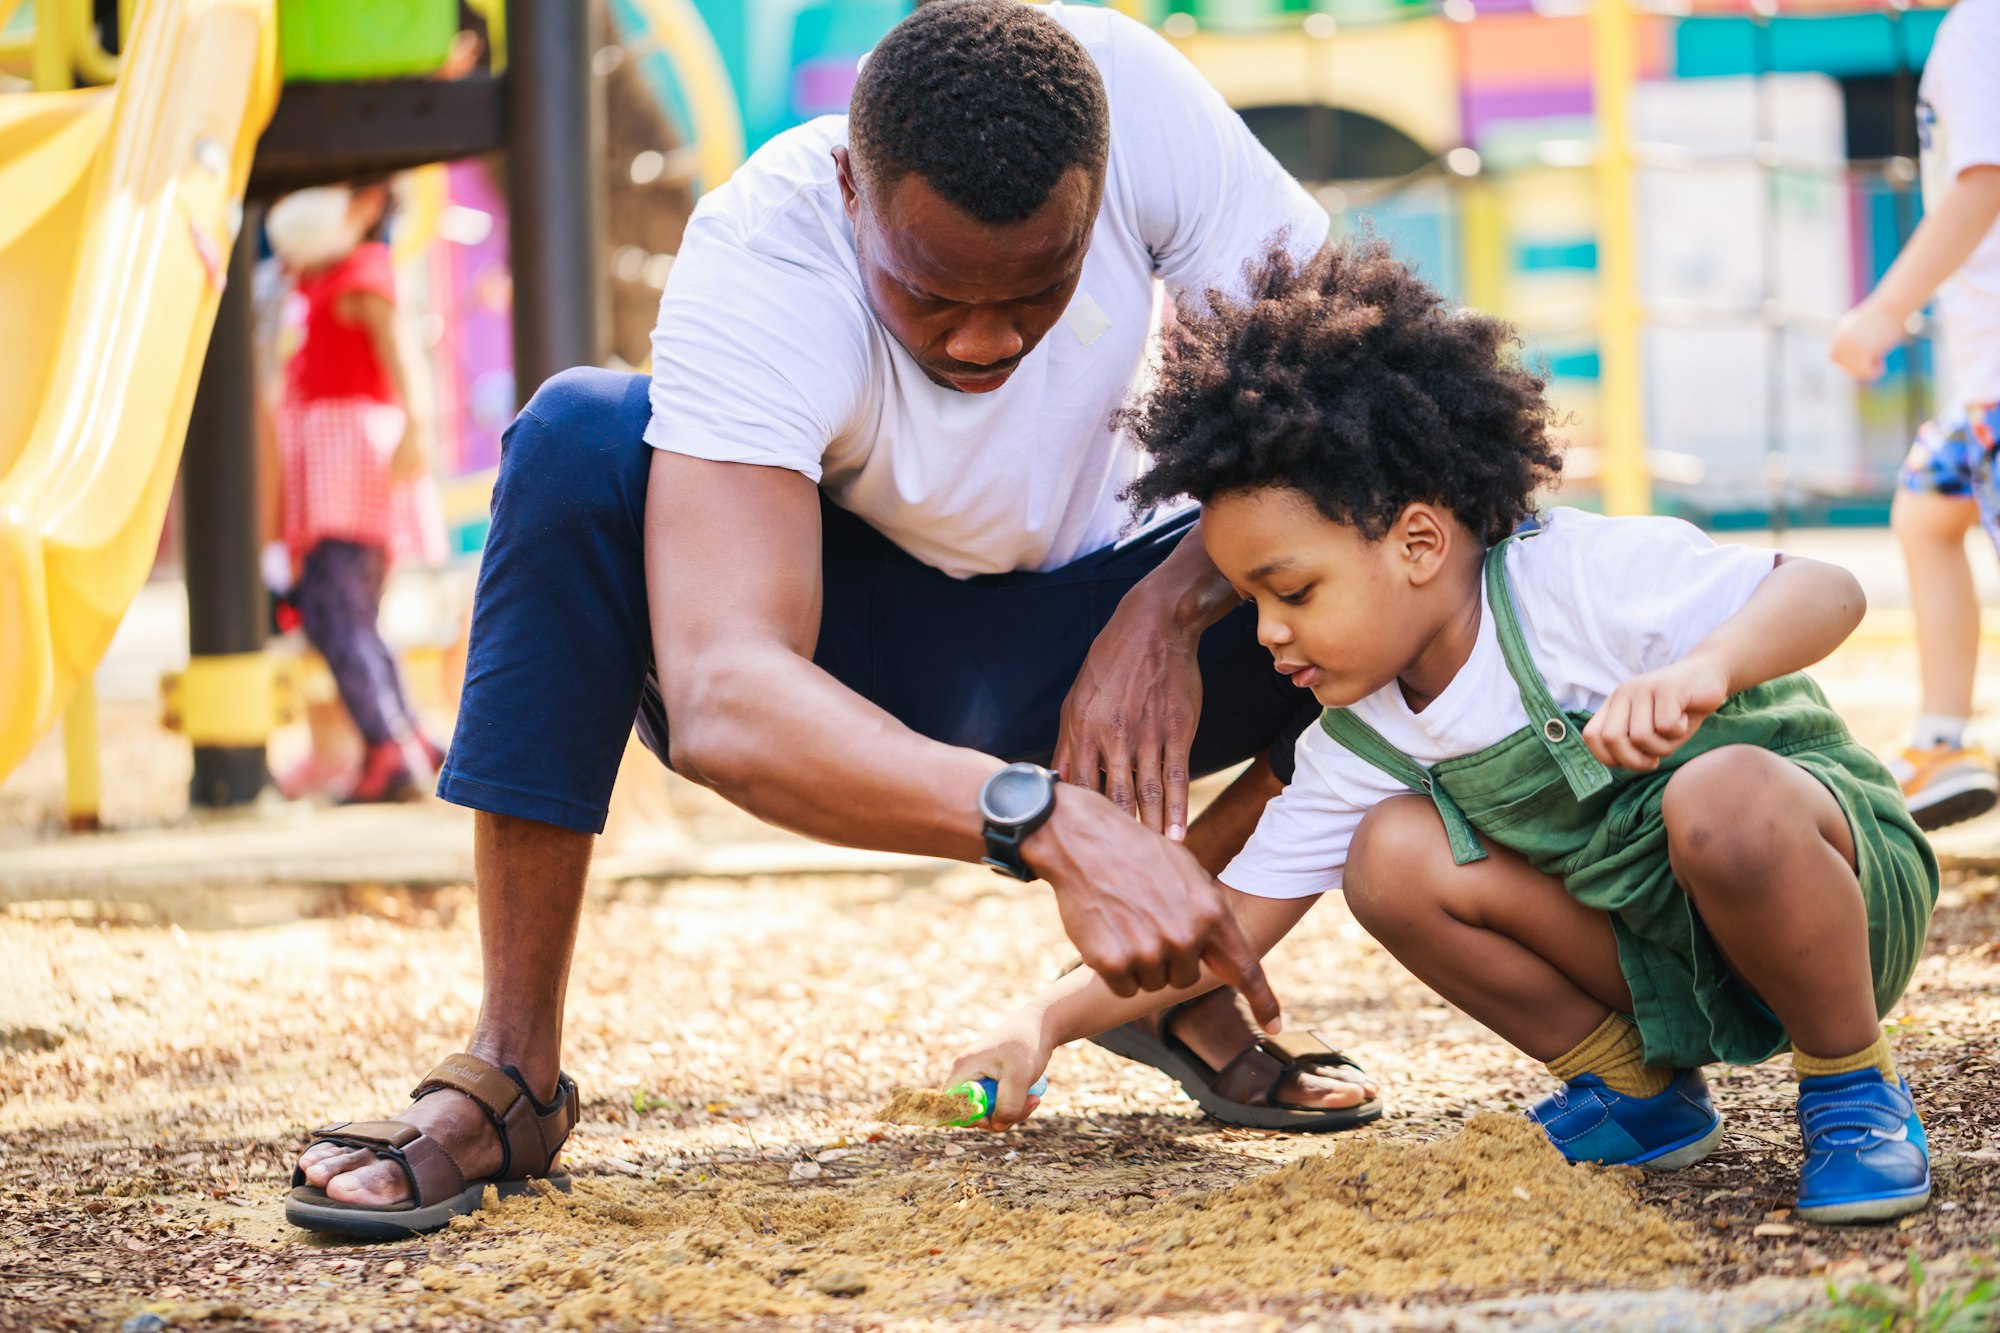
<point>580,441</point>
<point>1395,865</point>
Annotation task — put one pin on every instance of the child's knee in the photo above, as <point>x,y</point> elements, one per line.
<point>1931,516</point>
<point>1725,813</point>
<point>1395,863</point>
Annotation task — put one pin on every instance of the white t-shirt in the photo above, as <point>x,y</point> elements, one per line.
<point>767,352</point>
<point>1601,600</point>
<point>1958,118</point>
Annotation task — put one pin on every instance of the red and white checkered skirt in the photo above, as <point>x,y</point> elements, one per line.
<point>336,455</point>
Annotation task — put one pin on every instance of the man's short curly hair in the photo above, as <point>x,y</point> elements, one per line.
<point>1347,379</point>
<point>990,102</point>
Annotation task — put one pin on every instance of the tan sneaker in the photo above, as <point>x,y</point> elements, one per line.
<point>1946,784</point>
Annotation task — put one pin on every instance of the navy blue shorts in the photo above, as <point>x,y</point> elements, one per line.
<point>559,668</point>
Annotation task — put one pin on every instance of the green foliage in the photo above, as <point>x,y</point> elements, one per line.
<point>1971,1306</point>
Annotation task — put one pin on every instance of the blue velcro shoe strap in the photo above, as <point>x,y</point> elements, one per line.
<point>1864,1145</point>
<point>1589,1122</point>
<point>1835,1108</point>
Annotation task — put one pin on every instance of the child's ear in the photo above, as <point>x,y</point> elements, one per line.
<point>1423,539</point>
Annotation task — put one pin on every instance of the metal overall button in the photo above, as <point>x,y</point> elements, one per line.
<point>1556,730</point>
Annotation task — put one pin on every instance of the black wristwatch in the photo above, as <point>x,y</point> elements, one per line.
<point>1014,803</point>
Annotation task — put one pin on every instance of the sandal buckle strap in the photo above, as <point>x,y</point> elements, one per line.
<point>385,1134</point>
<point>434,1174</point>
<point>1251,1077</point>
<point>1297,1045</point>
<point>484,1083</point>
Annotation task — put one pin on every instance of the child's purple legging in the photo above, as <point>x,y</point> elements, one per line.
<point>339,596</point>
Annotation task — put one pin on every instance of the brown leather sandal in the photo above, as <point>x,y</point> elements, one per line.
<point>531,1139</point>
<point>1244,1091</point>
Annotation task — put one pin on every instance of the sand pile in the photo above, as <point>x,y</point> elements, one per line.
<point>1493,1207</point>
<point>919,1106</point>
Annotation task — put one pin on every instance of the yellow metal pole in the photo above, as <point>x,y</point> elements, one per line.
<point>80,775</point>
<point>1483,242</point>
<point>51,55</point>
<point>1622,471</point>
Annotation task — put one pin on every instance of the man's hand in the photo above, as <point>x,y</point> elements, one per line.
<point>1650,716</point>
<point>1141,910</point>
<point>1863,339</point>
<point>1013,1054</point>
<point>1129,720</point>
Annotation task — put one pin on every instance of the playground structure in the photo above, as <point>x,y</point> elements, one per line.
<point>126,277</point>
<point>1577,167</point>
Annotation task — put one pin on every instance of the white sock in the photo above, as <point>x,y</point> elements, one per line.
<point>1934,729</point>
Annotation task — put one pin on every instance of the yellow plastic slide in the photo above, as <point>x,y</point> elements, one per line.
<point>117,210</point>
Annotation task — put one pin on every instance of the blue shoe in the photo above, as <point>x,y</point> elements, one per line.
<point>1866,1156</point>
<point>1589,1122</point>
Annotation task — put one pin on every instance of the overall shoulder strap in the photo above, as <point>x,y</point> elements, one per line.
<point>1564,742</point>
<point>1367,744</point>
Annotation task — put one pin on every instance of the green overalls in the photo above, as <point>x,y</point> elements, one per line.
<point>1541,793</point>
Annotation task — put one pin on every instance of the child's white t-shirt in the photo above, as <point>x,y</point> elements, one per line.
<point>1601,600</point>
<point>767,352</point>
<point>1958,119</point>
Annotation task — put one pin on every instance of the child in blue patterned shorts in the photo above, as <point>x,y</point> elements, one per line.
<point>1948,482</point>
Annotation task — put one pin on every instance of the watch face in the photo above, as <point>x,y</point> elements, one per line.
<point>1015,794</point>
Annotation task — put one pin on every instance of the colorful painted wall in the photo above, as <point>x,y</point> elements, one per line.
<point>1745,258</point>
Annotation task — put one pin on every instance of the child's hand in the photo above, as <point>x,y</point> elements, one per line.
<point>412,457</point>
<point>1650,716</point>
<point>1014,1054</point>
<point>1863,338</point>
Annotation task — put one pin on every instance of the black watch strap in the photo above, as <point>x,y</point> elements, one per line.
<point>1003,853</point>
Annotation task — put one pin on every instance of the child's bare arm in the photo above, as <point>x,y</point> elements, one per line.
<point>391,340</point>
<point>1802,611</point>
<point>1944,240</point>
<point>1079,1004</point>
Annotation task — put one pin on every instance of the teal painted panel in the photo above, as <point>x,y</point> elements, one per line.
<point>1545,256</point>
<point>1422,232</point>
<point>1840,44</point>
<point>1575,365</point>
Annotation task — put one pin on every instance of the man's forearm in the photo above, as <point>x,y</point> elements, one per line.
<point>782,739</point>
<point>1188,587</point>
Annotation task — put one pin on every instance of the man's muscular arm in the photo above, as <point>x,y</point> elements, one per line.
<point>733,583</point>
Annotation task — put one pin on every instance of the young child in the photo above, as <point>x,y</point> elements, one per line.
<point>1948,481</point>
<point>356,486</point>
<point>1570,779</point>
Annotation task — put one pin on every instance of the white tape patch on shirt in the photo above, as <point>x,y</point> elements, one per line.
<point>1085,320</point>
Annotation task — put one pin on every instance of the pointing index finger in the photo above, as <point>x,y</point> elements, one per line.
<point>1237,963</point>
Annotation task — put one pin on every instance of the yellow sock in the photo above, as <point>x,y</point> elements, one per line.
<point>1875,1055</point>
<point>1615,1053</point>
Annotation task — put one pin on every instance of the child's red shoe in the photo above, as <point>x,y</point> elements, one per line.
<point>385,778</point>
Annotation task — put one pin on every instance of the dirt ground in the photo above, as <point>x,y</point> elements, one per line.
<point>733,1039</point>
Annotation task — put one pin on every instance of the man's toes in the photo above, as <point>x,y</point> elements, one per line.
<point>1323,1094</point>
<point>372,1185</point>
<point>327,1160</point>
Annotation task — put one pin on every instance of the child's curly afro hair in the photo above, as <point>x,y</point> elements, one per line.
<point>1347,379</point>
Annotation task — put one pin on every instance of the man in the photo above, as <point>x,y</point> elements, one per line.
<point>876,548</point>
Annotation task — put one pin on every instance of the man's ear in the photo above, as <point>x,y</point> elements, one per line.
<point>843,171</point>
<point>1424,538</point>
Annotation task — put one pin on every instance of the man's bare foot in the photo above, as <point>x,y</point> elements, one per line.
<point>1217,1030</point>
<point>357,1176</point>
